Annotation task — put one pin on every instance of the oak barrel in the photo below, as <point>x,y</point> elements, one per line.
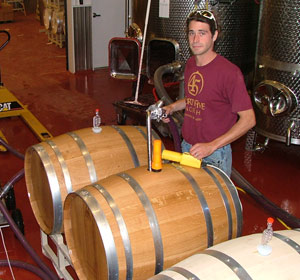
<point>57,22</point>
<point>73,160</point>
<point>239,259</point>
<point>134,224</point>
<point>48,12</point>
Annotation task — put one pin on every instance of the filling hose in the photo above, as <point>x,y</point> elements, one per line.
<point>272,208</point>
<point>26,266</point>
<point>159,85</point>
<point>175,134</point>
<point>7,40</point>
<point>12,150</point>
<point>11,183</point>
<point>26,245</point>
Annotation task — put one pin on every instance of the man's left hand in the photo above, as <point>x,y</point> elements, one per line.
<point>202,150</point>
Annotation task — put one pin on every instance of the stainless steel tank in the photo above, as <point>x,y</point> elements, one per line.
<point>237,18</point>
<point>277,76</point>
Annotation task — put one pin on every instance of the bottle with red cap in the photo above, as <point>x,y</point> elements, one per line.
<point>268,232</point>
<point>97,122</point>
<point>264,248</point>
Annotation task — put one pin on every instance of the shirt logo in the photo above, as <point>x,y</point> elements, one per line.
<point>195,83</point>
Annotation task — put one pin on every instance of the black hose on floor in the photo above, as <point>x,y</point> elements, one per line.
<point>26,266</point>
<point>11,183</point>
<point>268,205</point>
<point>21,237</point>
<point>11,149</point>
<point>7,40</point>
<point>26,245</point>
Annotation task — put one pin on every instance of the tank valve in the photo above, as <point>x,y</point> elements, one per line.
<point>274,99</point>
<point>289,130</point>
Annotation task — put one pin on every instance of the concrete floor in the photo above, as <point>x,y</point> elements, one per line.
<point>35,72</point>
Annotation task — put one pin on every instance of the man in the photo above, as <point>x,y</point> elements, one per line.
<point>218,109</point>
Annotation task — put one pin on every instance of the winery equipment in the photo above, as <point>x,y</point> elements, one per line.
<point>277,75</point>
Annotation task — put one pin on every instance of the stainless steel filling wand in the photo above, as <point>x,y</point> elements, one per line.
<point>154,112</point>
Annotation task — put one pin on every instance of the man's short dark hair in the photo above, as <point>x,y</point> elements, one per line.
<point>200,15</point>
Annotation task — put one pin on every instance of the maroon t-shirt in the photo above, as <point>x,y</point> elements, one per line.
<point>214,94</point>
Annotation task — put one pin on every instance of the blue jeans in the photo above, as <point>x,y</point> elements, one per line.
<point>221,157</point>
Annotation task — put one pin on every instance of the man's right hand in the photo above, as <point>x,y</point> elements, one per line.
<point>168,111</point>
<point>171,108</point>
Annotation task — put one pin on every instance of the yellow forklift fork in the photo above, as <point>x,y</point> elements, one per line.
<point>2,148</point>
<point>10,106</point>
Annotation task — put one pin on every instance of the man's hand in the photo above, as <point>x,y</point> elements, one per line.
<point>246,121</point>
<point>168,111</point>
<point>171,108</point>
<point>202,150</point>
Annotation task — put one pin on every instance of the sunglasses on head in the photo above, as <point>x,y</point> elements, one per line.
<point>204,13</point>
